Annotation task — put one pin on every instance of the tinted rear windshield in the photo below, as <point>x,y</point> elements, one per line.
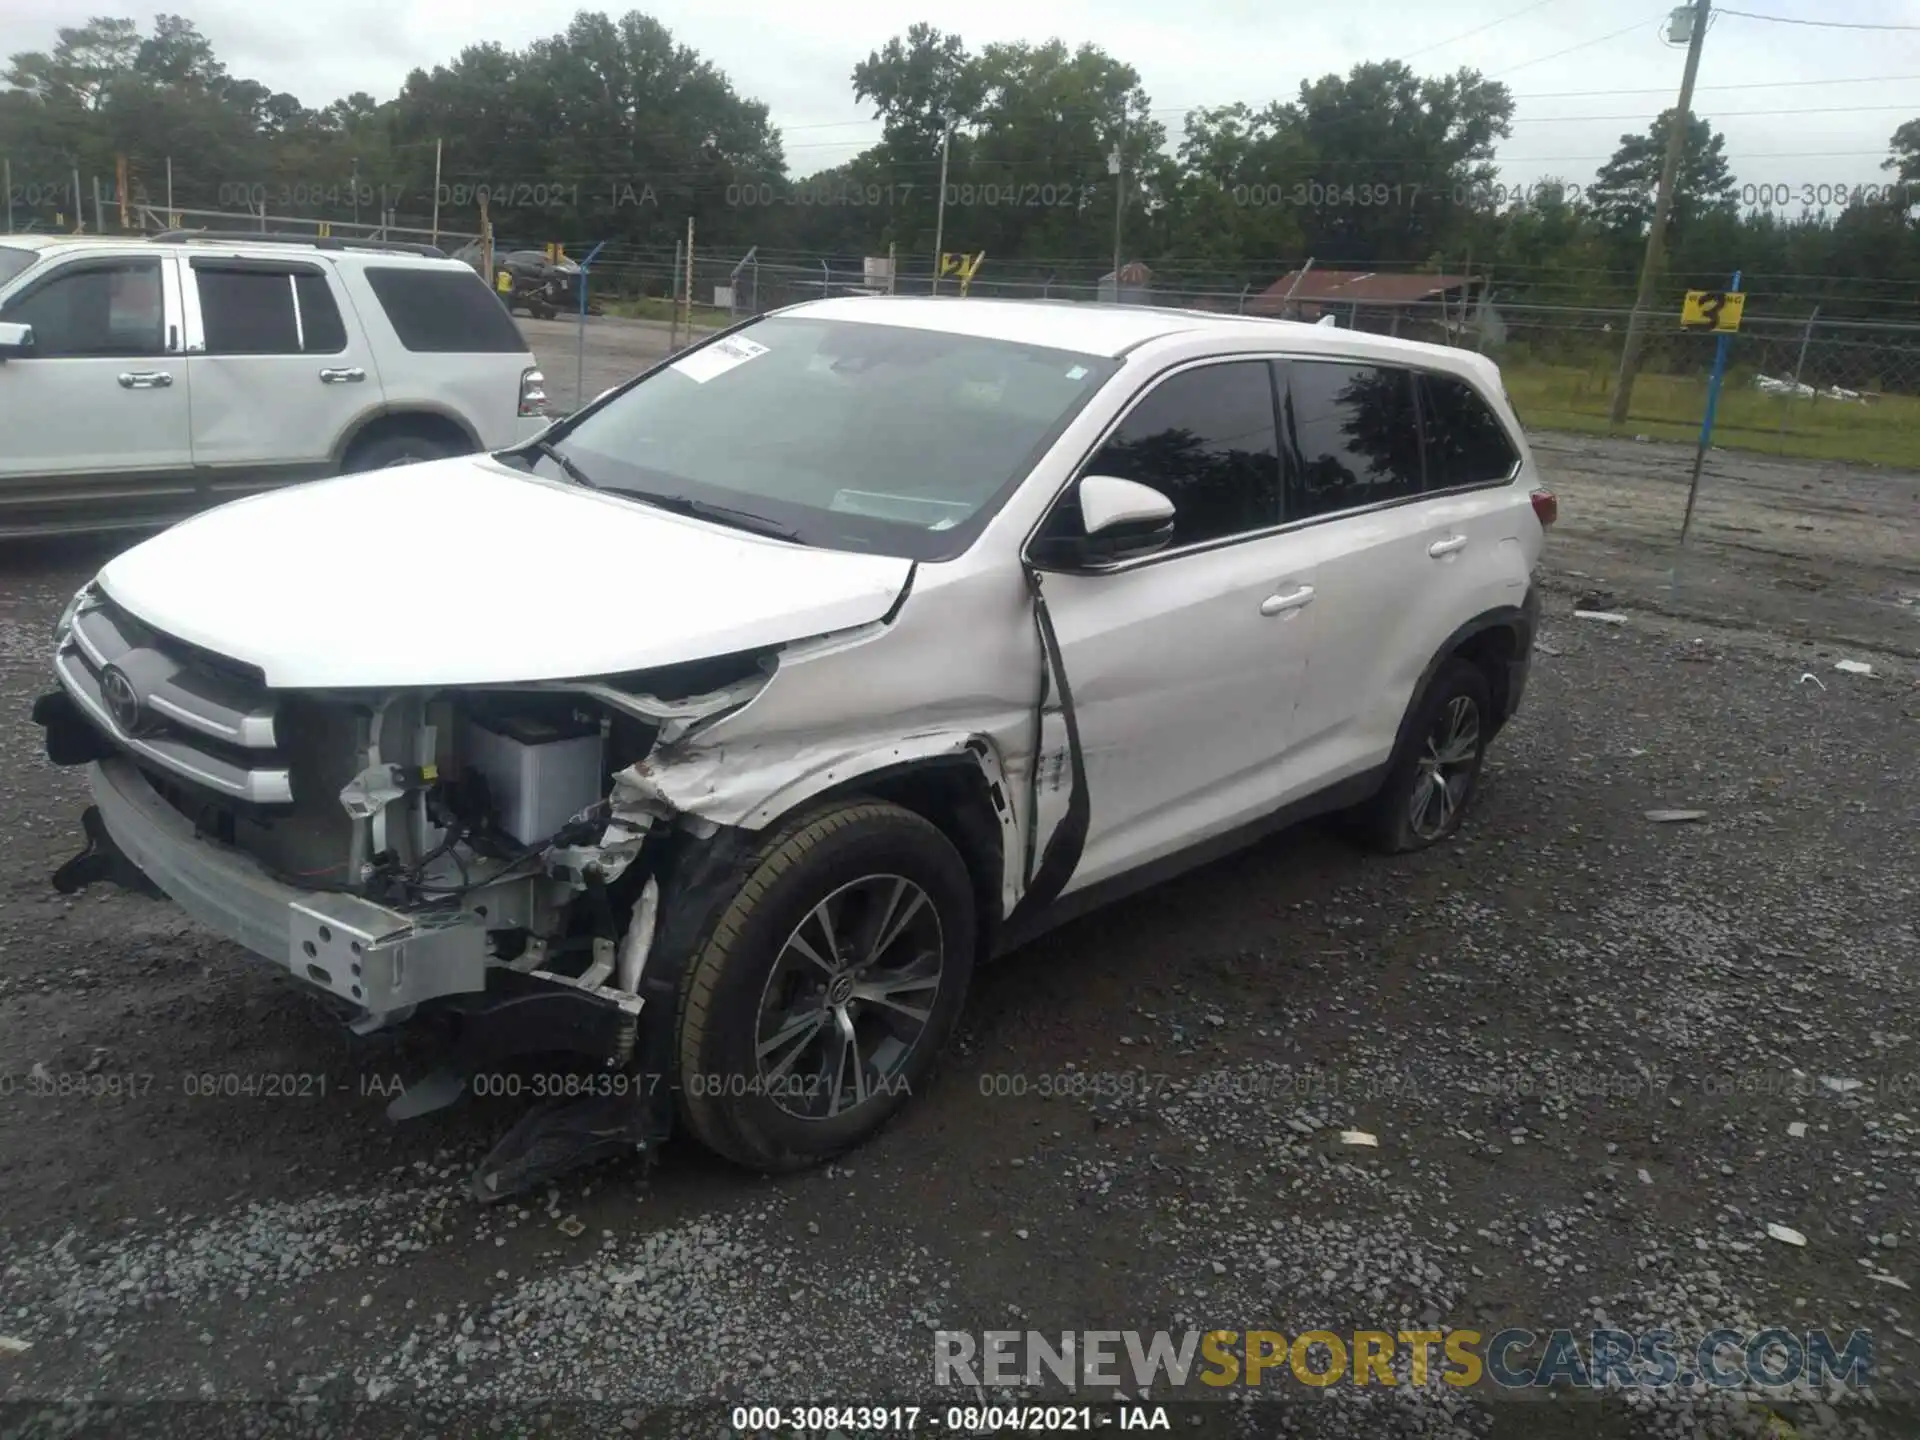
<point>13,261</point>
<point>444,311</point>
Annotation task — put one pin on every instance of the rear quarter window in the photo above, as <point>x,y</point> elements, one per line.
<point>445,312</point>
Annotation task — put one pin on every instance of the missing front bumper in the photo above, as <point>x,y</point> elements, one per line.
<point>377,960</point>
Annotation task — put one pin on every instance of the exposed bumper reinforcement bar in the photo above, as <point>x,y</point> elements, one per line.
<point>376,959</point>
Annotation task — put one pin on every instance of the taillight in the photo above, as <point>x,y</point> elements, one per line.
<point>533,394</point>
<point>1546,507</point>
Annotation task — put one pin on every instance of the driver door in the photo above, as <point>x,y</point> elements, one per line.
<point>98,432</point>
<point>1185,665</point>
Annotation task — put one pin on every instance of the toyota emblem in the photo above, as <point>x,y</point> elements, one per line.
<point>121,699</point>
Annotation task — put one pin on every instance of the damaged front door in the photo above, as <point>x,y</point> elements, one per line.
<point>1180,669</point>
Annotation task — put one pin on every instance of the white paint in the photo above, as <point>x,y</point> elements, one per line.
<point>311,585</point>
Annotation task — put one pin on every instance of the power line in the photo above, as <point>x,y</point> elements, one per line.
<point>1745,85</point>
<point>1722,115</point>
<point>1583,45</point>
<point>1479,29</point>
<point>1818,24</point>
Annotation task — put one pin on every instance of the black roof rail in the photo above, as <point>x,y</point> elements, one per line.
<point>318,242</point>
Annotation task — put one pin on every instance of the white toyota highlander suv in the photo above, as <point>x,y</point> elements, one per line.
<point>800,675</point>
<point>144,379</point>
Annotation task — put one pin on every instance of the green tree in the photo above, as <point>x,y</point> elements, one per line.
<point>1623,193</point>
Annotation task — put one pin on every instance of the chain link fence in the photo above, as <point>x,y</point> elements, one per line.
<point>1797,383</point>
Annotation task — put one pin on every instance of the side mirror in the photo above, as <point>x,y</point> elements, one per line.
<point>15,339</point>
<point>1117,520</point>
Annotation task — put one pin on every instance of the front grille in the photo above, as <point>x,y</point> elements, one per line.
<point>207,720</point>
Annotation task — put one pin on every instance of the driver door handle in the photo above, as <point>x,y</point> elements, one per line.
<point>1447,546</point>
<point>343,375</point>
<point>1289,600</point>
<point>145,379</point>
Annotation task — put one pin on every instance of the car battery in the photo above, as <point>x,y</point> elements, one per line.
<point>540,773</point>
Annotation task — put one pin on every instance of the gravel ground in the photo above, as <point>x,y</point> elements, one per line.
<point>1600,1054</point>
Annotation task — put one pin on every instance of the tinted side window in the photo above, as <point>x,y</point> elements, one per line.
<point>1357,438</point>
<point>247,312</point>
<point>1206,440</point>
<point>1466,443</point>
<point>321,329</point>
<point>97,309</point>
<point>446,311</point>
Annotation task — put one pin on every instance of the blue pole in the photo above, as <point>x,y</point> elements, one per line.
<point>580,332</point>
<point>1721,346</point>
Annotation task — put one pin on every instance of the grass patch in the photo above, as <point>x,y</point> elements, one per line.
<point>661,308</point>
<point>1884,431</point>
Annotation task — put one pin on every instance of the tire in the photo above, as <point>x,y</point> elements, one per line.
<point>1449,737</point>
<point>544,312</point>
<point>751,983</point>
<point>388,450</point>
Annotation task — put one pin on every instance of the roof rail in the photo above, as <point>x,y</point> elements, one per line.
<point>318,242</point>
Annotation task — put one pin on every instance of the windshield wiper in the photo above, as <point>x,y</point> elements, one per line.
<point>573,471</point>
<point>724,514</point>
<point>679,504</point>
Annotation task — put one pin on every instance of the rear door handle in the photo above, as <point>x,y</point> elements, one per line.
<point>1289,600</point>
<point>145,379</point>
<point>345,375</point>
<point>1447,546</point>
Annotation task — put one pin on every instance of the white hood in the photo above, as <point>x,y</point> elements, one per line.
<point>467,572</point>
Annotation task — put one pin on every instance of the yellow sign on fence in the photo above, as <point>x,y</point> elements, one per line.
<point>1717,310</point>
<point>965,266</point>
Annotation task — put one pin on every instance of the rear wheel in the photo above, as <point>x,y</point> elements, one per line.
<point>1431,783</point>
<point>828,988</point>
<point>389,450</point>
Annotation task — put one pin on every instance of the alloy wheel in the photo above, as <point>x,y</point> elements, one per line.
<point>1445,772</point>
<point>849,997</point>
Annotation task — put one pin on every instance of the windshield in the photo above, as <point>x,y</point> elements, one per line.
<point>13,261</point>
<point>851,436</point>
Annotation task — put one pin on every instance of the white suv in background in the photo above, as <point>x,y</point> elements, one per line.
<point>850,648</point>
<point>144,379</point>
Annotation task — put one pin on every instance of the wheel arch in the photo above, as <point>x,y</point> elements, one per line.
<point>434,420</point>
<point>1492,642</point>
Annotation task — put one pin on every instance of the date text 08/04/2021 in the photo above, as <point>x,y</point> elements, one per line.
<point>770,1420</point>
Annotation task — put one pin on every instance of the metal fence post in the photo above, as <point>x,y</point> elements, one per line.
<point>580,332</point>
<point>1794,394</point>
<point>673,326</point>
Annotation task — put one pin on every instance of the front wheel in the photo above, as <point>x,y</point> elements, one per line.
<point>828,987</point>
<point>1432,781</point>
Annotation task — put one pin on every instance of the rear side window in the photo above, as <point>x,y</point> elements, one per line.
<point>322,332</point>
<point>247,312</point>
<point>1356,435</point>
<point>444,311</point>
<point>1466,443</point>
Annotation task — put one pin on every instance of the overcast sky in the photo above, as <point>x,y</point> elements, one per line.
<point>798,59</point>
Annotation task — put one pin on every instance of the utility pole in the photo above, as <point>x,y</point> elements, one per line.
<point>1662,207</point>
<point>1115,168</point>
<point>355,183</point>
<point>170,192</point>
<point>940,215</point>
<point>6,170</point>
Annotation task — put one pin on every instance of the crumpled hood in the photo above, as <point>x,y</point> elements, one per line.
<point>467,572</point>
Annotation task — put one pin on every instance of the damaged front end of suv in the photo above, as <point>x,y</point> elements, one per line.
<point>536,863</point>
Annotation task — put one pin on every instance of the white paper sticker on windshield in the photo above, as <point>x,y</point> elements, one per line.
<point>718,358</point>
<point>1078,372</point>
